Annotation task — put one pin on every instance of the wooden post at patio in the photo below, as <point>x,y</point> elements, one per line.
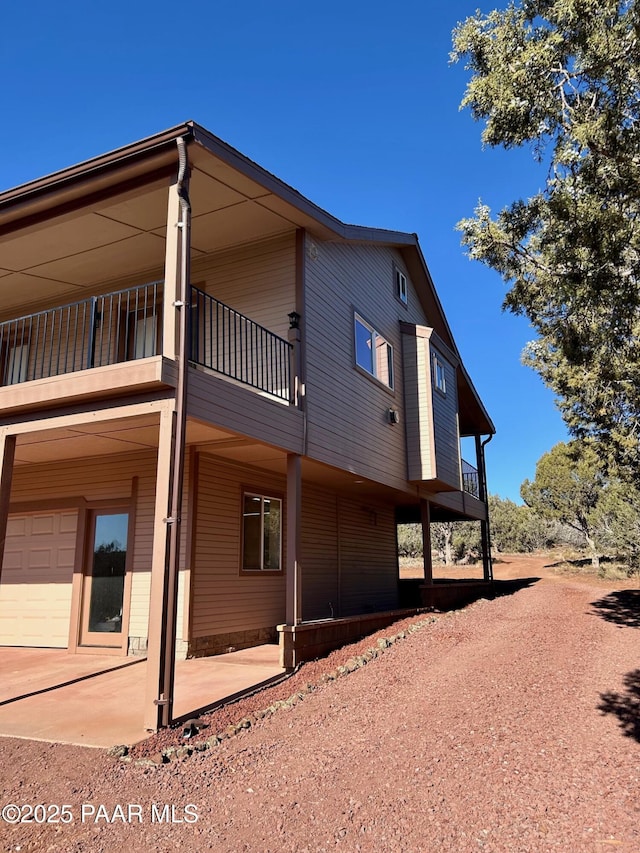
<point>425,518</point>
<point>157,715</point>
<point>171,291</point>
<point>7,455</point>
<point>294,505</point>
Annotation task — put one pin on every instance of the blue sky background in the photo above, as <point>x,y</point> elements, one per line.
<point>354,104</point>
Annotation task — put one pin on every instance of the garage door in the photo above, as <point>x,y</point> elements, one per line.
<point>37,572</point>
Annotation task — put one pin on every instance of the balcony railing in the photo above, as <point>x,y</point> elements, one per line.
<point>127,325</point>
<point>470,482</point>
<point>230,343</point>
<point>97,331</point>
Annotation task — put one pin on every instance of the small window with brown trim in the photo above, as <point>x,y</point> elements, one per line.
<point>439,375</point>
<point>261,533</point>
<point>401,287</point>
<point>372,352</point>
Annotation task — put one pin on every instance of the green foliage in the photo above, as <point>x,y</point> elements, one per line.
<point>563,76</point>
<point>517,529</point>
<point>567,487</point>
<point>410,540</point>
<point>618,518</point>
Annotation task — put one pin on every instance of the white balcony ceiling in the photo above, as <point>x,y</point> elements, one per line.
<point>118,239</point>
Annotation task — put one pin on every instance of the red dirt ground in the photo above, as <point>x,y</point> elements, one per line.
<point>513,725</point>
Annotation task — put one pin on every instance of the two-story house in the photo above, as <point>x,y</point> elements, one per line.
<point>217,401</point>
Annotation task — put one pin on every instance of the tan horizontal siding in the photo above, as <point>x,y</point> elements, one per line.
<point>320,554</point>
<point>418,411</point>
<point>368,557</point>
<point>348,412</point>
<point>216,401</point>
<point>445,426</point>
<point>257,280</point>
<point>223,600</point>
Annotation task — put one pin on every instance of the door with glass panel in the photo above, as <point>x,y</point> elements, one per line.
<point>104,580</point>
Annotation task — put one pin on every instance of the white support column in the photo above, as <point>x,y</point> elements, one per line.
<point>171,291</point>
<point>7,454</point>
<point>294,512</point>
<point>156,715</point>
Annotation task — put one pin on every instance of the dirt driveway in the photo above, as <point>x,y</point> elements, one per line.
<point>510,726</point>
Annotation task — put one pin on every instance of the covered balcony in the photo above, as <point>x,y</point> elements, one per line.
<point>126,326</point>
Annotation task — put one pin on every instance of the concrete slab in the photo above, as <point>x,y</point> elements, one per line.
<point>48,694</point>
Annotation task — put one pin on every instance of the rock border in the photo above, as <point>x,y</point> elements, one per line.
<point>182,752</point>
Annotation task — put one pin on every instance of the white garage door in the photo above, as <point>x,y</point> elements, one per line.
<point>35,589</point>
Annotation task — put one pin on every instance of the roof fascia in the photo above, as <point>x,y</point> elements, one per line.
<point>119,156</point>
<point>464,376</point>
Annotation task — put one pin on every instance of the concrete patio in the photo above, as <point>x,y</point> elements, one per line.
<point>97,700</point>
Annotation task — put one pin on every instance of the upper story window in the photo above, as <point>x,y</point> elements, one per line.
<point>439,375</point>
<point>401,286</point>
<point>373,353</point>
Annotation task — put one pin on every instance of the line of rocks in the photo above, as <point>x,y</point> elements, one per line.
<point>175,753</point>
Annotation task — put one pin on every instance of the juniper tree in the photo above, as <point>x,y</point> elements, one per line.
<point>563,77</point>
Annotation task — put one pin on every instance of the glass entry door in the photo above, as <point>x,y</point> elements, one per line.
<point>103,586</point>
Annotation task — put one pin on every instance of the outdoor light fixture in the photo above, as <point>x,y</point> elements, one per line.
<point>294,320</point>
<point>394,416</point>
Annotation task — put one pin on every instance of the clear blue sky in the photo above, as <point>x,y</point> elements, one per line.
<point>352,103</point>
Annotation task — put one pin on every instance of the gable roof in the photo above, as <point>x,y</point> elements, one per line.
<point>228,185</point>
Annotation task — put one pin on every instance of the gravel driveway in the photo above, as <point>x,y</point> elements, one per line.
<point>510,726</point>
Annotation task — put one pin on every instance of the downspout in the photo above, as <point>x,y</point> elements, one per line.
<point>485,492</point>
<point>180,417</point>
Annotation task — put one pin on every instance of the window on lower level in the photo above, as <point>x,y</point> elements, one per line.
<point>261,533</point>
<point>373,353</point>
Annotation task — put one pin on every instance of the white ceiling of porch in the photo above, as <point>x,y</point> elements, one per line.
<point>119,241</point>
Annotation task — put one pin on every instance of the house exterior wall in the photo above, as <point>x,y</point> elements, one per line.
<point>348,424</point>
<point>107,479</point>
<point>421,459</point>
<point>348,565</point>
<point>445,421</point>
<point>368,557</point>
<point>258,280</point>
<point>230,609</point>
<point>431,413</point>
<point>320,570</point>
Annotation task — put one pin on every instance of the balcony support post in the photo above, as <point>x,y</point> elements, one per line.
<point>157,701</point>
<point>294,510</point>
<point>171,292</point>
<point>7,454</point>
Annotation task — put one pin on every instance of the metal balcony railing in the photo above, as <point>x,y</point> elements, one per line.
<point>226,341</point>
<point>97,331</point>
<point>127,325</point>
<point>470,482</point>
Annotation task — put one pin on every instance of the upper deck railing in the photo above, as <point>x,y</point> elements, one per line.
<point>470,482</point>
<point>127,325</point>
<point>226,341</point>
